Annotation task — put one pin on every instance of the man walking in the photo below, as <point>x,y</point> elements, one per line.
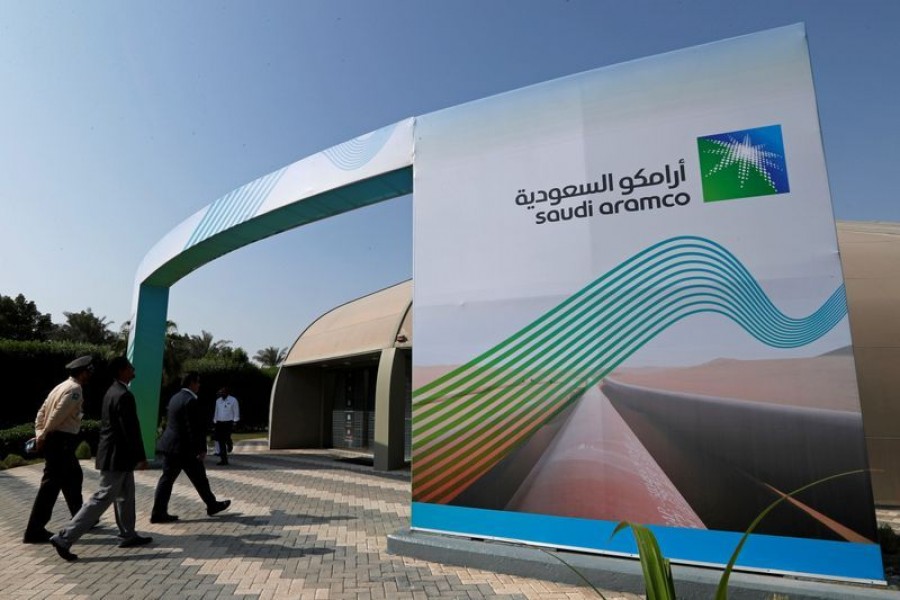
<point>119,453</point>
<point>183,448</point>
<point>56,430</point>
<point>224,419</point>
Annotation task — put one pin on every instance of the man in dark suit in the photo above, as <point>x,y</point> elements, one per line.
<point>120,452</point>
<point>183,448</point>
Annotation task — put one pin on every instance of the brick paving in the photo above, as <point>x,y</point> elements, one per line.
<point>302,525</point>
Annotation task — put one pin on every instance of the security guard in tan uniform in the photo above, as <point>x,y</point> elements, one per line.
<point>56,428</point>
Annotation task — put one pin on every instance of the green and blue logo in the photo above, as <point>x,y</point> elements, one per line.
<point>743,164</point>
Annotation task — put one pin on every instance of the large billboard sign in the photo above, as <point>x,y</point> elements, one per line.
<point>629,306</point>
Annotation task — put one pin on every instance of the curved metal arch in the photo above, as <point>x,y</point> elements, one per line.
<point>365,170</point>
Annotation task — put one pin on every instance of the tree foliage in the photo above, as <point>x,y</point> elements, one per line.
<point>35,367</point>
<point>120,345</point>
<point>205,344</point>
<point>175,353</point>
<point>86,327</point>
<point>251,385</point>
<point>181,349</point>
<point>270,356</point>
<point>36,350</point>
<point>238,355</point>
<point>21,320</point>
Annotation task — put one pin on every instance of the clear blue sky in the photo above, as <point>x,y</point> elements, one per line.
<point>120,119</point>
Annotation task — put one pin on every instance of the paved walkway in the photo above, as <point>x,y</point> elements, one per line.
<point>302,525</point>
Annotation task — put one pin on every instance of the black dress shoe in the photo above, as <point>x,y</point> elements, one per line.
<point>63,551</point>
<point>136,540</point>
<point>218,507</point>
<point>39,537</point>
<point>163,518</point>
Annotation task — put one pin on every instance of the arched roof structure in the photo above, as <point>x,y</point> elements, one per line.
<point>380,320</point>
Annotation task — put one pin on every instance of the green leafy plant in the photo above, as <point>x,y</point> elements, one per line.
<point>13,460</point>
<point>658,581</point>
<point>722,590</point>
<point>83,451</point>
<point>90,433</point>
<point>12,440</point>
<point>574,570</point>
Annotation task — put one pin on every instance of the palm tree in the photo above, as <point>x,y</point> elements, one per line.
<point>174,355</point>
<point>203,345</point>
<point>120,344</point>
<point>271,356</point>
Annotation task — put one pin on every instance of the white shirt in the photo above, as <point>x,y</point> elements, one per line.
<point>227,410</point>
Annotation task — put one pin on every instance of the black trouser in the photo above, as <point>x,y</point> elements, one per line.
<point>62,472</point>
<point>223,436</point>
<point>173,465</point>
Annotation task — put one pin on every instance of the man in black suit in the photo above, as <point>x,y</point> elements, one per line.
<point>183,448</point>
<point>119,453</point>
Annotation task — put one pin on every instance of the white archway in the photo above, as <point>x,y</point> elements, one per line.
<point>365,170</point>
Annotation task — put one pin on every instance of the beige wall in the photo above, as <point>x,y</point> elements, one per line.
<point>870,254</point>
<point>296,409</point>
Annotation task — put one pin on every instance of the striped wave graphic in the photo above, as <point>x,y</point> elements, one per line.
<point>129,352</point>
<point>355,153</point>
<point>468,420</point>
<point>235,207</point>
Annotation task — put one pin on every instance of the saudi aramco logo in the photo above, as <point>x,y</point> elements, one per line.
<point>742,164</point>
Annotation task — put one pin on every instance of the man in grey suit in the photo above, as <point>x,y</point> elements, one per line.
<point>183,448</point>
<point>119,453</point>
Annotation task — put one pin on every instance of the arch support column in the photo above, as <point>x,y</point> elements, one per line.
<point>145,351</point>
<point>389,410</point>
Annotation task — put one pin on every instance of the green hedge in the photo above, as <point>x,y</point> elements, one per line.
<point>83,451</point>
<point>39,366</point>
<point>248,383</point>
<point>12,440</point>
<point>13,460</point>
<point>36,368</point>
<point>90,433</point>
